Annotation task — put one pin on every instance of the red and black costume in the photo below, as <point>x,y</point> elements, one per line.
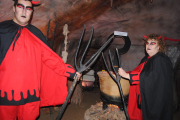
<point>29,69</point>
<point>151,94</point>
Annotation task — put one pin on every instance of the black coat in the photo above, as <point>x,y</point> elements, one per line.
<point>156,88</point>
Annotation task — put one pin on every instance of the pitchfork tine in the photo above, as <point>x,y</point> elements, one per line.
<point>100,50</point>
<point>112,63</point>
<point>54,35</point>
<point>90,39</point>
<point>48,30</point>
<point>94,59</point>
<point>82,34</point>
<point>107,67</point>
<point>119,62</point>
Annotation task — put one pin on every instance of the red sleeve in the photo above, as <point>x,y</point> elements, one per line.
<point>54,62</point>
<point>54,78</point>
<point>134,75</point>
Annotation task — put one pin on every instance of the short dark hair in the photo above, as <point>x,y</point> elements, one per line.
<point>15,3</point>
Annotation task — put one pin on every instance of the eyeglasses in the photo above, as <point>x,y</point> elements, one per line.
<point>29,8</point>
<point>151,43</point>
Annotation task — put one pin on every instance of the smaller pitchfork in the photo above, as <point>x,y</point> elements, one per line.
<point>82,67</point>
<point>117,79</point>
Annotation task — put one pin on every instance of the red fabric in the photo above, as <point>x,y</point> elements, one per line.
<point>29,111</point>
<point>53,89</point>
<point>134,95</point>
<point>134,112</point>
<point>69,70</point>
<point>165,38</point>
<point>136,73</point>
<point>37,68</point>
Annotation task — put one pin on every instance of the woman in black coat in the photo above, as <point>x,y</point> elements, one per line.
<point>151,93</point>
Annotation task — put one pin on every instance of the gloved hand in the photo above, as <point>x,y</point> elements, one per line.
<point>70,71</point>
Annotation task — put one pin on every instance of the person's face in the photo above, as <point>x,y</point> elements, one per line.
<point>22,12</point>
<point>152,47</point>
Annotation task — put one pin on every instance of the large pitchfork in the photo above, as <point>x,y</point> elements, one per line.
<point>82,67</point>
<point>117,79</point>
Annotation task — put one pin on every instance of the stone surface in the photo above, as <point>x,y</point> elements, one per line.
<point>136,17</point>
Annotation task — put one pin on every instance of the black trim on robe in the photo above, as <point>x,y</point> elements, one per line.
<point>31,98</point>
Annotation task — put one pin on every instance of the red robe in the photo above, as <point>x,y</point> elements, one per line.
<point>30,70</point>
<point>134,103</point>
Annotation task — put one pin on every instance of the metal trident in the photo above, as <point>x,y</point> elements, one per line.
<point>82,67</point>
<point>117,79</point>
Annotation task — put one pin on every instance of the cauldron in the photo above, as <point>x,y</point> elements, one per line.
<point>109,92</point>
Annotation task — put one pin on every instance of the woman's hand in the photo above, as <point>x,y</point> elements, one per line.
<point>79,75</point>
<point>123,73</point>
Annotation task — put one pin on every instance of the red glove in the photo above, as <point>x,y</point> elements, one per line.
<point>70,71</point>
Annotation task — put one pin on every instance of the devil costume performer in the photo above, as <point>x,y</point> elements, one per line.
<point>29,69</point>
<point>151,94</point>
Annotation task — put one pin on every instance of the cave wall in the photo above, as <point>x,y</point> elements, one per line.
<point>136,17</point>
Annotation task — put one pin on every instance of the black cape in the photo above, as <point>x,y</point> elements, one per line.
<point>156,88</point>
<point>9,30</point>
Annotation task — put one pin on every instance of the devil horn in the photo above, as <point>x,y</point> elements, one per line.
<point>159,37</point>
<point>145,36</point>
<point>35,2</point>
